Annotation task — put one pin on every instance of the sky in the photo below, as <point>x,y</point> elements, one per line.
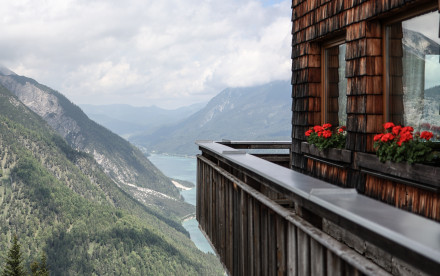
<point>169,53</point>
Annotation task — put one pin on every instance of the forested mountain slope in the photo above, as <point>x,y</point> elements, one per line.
<point>123,162</point>
<point>59,200</point>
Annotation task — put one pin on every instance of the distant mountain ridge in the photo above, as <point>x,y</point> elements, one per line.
<point>126,120</point>
<point>419,44</point>
<point>250,113</point>
<point>123,162</point>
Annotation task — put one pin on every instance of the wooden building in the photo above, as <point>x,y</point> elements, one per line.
<point>359,64</point>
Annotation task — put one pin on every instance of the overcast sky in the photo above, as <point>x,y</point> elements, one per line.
<point>169,53</point>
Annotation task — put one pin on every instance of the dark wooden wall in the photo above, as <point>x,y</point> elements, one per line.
<point>405,197</point>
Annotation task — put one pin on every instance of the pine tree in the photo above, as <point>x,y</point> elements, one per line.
<point>14,265</point>
<point>40,269</point>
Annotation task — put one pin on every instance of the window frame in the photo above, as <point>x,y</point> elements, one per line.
<point>416,11</point>
<point>339,40</point>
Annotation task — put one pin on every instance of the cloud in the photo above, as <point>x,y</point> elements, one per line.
<point>163,52</point>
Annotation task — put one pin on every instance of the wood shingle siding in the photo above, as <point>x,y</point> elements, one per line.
<point>313,21</point>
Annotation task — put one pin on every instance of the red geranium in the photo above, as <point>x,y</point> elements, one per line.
<point>404,137</point>
<point>387,137</point>
<point>408,128</point>
<point>318,128</point>
<point>388,125</point>
<point>398,144</point>
<point>327,133</point>
<point>396,130</point>
<point>378,136</point>
<point>322,137</point>
<point>426,135</point>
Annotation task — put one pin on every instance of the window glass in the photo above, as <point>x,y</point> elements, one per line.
<point>413,66</point>
<point>335,86</point>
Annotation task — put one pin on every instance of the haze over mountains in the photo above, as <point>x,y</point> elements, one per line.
<point>126,120</point>
<point>251,113</point>
<point>82,194</point>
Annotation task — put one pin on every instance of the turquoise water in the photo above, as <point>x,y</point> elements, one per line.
<point>184,168</point>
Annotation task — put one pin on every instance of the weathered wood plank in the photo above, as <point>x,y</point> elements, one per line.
<point>202,220</point>
<point>272,264</point>
<point>318,264</point>
<point>209,202</point>
<point>243,234</point>
<point>221,214</point>
<point>214,204</point>
<point>281,246</point>
<point>199,189</point>
<point>264,241</point>
<point>251,251</point>
<point>292,259</point>
<point>236,231</point>
<point>303,253</point>
<point>257,238</point>
<point>334,266</point>
<point>230,234</point>
<point>198,182</point>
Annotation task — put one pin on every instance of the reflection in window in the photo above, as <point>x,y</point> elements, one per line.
<point>335,86</point>
<point>413,66</point>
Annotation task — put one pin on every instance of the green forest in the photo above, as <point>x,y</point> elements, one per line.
<point>59,201</point>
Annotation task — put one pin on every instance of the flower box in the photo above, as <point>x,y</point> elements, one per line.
<point>338,155</point>
<point>420,174</point>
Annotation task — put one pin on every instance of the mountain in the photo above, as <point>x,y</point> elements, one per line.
<point>419,44</point>
<point>433,92</point>
<point>250,113</point>
<point>126,120</point>
<point>123,162</point>
<point>59,200</point>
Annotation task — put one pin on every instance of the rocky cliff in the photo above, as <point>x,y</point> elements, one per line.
<point>123,162</point>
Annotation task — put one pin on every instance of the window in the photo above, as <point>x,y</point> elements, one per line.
<point>335,85</point>
<point>413,67</point>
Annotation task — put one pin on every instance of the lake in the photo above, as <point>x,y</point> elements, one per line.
<point>184,168</point>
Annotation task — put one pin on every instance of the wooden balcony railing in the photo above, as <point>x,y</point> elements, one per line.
<point>264,219</point>
<point>277,152</point>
